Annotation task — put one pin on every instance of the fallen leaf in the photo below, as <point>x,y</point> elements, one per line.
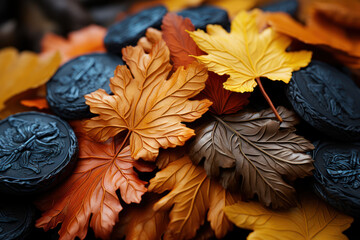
<point>318,31</point>
<point>169,155</point>
<point>86,40</point>
<point>23,71</point>
<point>233,7</point>
<point>192,195</point>
<point>254,154</point>
<point>145,103</point>
<point>141,222</point>
<point>245,54</point>
<point>89,194</point>
<point>181,46</point>
<point>39,103</point>
<point>312,219</point>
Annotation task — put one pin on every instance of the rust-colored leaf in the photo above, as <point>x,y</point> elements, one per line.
<point>141,222</point>
<point>192,196</point>
<point>87,40</point>
<point>39,103</point>
<point>254,154</point>
<point>23,71</point>
<point>319,30</point>
<point>89,196</point>
<point>181,46</point>
<point>145,103</point>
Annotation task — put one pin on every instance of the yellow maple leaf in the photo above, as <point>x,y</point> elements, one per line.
<point>245,54</point>
<point>146,104</point>
<point>23,71</point>
<point>312,219</point>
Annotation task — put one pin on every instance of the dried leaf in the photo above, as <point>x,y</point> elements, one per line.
<point>233,7</point>
<point>318,31</point>
<point>145,103</point>
<point>181,46</point>
<point>254,154</point>
<point>141,222</point>
<point>89,194</point>
<point>167,156</point>
<point>192,194</point>
<point>87,40</point>
<point>245,54</point>
<point>312,219</point>
<point>23,71</point>
<point>39,103</point>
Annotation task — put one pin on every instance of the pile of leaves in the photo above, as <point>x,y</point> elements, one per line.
<point>230,164</point>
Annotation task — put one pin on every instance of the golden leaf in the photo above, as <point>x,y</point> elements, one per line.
<point>192,195</point>
<point>245,54</point>
<point>311,219</point>
<point>23,71</point>
<point>145,103</point>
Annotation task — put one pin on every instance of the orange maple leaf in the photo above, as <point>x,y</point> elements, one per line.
<point>90,192</point>
<point>181,46</point>
<point>145,103</point>
<point>87,40</point>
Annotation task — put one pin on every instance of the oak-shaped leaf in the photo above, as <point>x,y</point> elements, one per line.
<point>246,55</point>
<point>254,154</point>
<point>181,47</point>
<point>89,196</point>
<point>311,219</point>
<point>146,103</point>
<point>86,40</point>
<point>192,196</point>
<point>20,72</point>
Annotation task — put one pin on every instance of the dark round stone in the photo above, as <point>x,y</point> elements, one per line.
<point>327,99</point>
<point>16,219</point>
<point>78,77</point>
<point>131,29</point>
<point>37,151</point>
<point>205,14</point>
<point>287,6</point>
<point>337,175</point>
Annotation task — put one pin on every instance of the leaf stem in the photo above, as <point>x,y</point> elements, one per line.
<point>268,99</point>
<point>123,143</point>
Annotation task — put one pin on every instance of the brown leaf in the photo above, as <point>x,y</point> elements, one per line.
<point>145,103</point>
<point>181,46</point>
<point>311,219</point>
<point>89,194</point>
<point>254,154</point>
<point>192,195</point>
<point>141,222</point>
<point>87,40</point>
<point>23,71</point>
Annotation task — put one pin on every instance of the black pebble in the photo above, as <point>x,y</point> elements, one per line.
<point>327,99</point>
<point>287,6</point>
<point>37,151</point>
<point>337,178</point>
<point>16,219</point>
<point>78,77</point>
<point>204,15</point>
<point>130,30</point>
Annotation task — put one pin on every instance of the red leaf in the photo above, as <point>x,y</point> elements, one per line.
<point>181,46</point>
<point>89,194</point>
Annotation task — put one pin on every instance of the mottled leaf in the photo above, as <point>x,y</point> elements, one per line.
<point>89,194</point>
<point>245,54</point>
<point>192,196</point>
<point>311,219</point>
<point>146,103</point>
<point>254,154</point>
